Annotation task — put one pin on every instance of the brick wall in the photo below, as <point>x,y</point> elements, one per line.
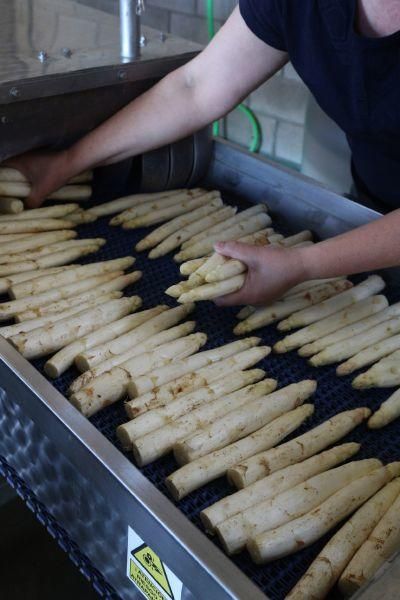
<point>280,104</point>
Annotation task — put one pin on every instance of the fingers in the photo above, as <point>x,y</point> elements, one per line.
<point>231,299</point>
<point>34,200</point>
<point>244,252</point>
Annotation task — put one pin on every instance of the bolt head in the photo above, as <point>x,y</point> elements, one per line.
<point>42,56</point>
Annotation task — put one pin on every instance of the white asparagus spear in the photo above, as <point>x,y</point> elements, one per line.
<point>158,204</point>
<point>111,385</point>
<point>372,285</point>
<point>47,212</point>
<point>378,314</point>
<point>155,444</point>
<point>64,359</point>
<point>387,413</point>
<point>278,482</point>
<point>385,373</point>
<point>369,355</point>
<point>120,204</point>
<point>93,357</point>
<point>340,351</point>
<point>32,324</point>
<point>44,252</point>
<point>10,206</point>
<point>112,282</point>
<point>304,446</point>
<point>178,236</point>
<point>166,214</point>
<point>246,312</point>
<point>11,174</point>
<point>169,335</point>
<point>162,204</point>
<point>240,217</point>
<point>190,266</point>
<point>330,563</point>
<point>207,468</point>
<point>141,433</point>
<point>71,276</point>
<point>80,217</point>
<point>8,309</point>
<point>213,290</point>
<point>287,306</point>
<point>48,339</point>
<point>7,282</point>
<point>245,227</point>
<point>235,532</point>
<point>330,325</point>
<point>72,192</point>
<point>298,238</point>
<point>10,237</point>
<point>237,360</point>
<point>305,530</point>
<point>61,258</point>
<point>380,546</point>
<point>178,289</point>
<point>243,421</point>
<point>306,285</point>
<point>34,241</point>
<point>20,189</point>
<point>158,417</point>
<point>34,226</point>
<point>144,384</point>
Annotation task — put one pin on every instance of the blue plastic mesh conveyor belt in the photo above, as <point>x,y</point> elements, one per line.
<point>333,396</point>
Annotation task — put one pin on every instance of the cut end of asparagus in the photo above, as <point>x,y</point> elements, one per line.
<point>51,370</point>
<point>173,490</point>
<point>124,437</point>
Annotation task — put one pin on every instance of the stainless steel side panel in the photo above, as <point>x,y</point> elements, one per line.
<point>298,200</point>
<point>94,492</point>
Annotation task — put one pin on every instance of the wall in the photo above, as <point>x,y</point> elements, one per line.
<point>280,105</point>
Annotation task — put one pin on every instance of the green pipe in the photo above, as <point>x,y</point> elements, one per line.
<point>256,141</point>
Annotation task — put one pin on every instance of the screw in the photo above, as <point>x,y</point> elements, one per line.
<point>42,56</point>
<point>122,75</point>
<point>14,92</point>
<point>163,37</point>
<point>143,41</point>
<point>67,52</point>
<point>3,120</point>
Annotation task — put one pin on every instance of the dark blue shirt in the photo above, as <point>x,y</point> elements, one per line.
<point>355,79</point>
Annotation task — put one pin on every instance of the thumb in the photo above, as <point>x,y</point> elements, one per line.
<point>243,252</point>
<point>34,200</point>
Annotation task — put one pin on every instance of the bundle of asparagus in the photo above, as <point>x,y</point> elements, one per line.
<point>239,434</point>
<point>373,522</point>
<point>69,309</point>
<point>216,275</point>
<point>15,185</point>
<point>305,530</point>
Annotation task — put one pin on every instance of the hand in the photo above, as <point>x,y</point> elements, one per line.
<point>271,272</point>
<point>46,171</point>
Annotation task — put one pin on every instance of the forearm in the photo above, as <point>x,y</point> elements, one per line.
<point>370,247</point>
<point>171,110</point>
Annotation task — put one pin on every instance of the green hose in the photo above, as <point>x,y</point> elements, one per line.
<point>256,141</point>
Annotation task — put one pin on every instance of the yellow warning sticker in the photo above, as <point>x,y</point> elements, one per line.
<point>149,573</point>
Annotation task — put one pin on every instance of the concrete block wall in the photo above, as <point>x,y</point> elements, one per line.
<point>280,104</point>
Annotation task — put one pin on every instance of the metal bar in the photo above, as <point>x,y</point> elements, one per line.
<point>130,11</point>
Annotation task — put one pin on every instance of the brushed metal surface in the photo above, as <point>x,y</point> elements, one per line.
<point>50,47</point>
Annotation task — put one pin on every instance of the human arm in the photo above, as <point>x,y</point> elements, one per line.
<point>203,90</point>
<point>272,270</point>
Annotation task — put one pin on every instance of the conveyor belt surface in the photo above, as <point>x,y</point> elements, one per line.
<point>333,395</point>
